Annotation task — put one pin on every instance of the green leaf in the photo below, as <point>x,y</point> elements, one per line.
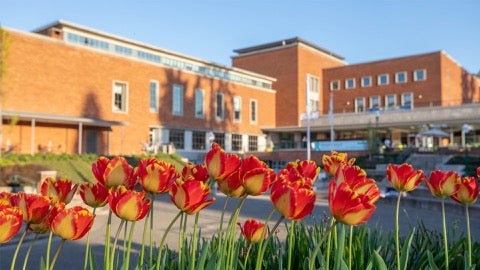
<point>406,250</point>
<point>431,261</point>
<point>380,263</point>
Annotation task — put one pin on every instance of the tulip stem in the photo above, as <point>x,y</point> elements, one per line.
<point>142,249</point>
<point>319,244</point>
<point>112,253</point>
<point>290,244</point>
<point>106,252</point>
<point>469,237</point>
<point>445,242</point>
<point>350,241</point>
<point>231,232</point>
<point>25,261</point>
<point>160,248</point>
<point>12,266</point>
<point>262,247</point>
<point>397,233</point>
<point>87,245</point>
<point>150,259</point>
<point>130,236</point>
<point>60,246</point>
<point>194,242</point>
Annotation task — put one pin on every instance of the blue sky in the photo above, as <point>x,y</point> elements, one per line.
<point>360,31</point>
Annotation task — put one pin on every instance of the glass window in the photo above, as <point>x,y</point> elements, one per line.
<point>219,106</point>
<point>390,101</point>
<point>236,142</point>
<point>375,102</point>
<point>366,81</point>
<point>312,93</point>
<point>407,101</point>
<point>198,140</point>
<point>177,102</point>
<point>334,85</point>
<point>350,83</point>
<point>177,137</point>
<point>401,77</point>
<point>237,109</point>
<point>119,97</point>
<point>420,75</point>
<point>252,143</point>
<point>359,104</point>
<point>382,79</point>
<point>220,139</point>
<point>253,111</point>
<point>199,101</point>
<point>313,85</point>
<point>153,96</point>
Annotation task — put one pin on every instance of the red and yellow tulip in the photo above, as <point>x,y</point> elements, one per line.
<point>114,172</point>
<point>10,223</point>
<point>34,207</point>
<point>190,195</point>
<point>252,230</point>
<point>467,191</point>
<point>72,223</point>
<point>293,201</point>
<point>332,161</point>
<point>128,204</point>
<point>404,177</point>
<point>59,190</point>
<point>443,184</point>
<point>255,176</point>
<point>219,164</point>
<point>5,199</point>
<point>197,171</point>
<point>94,194</point>
<point>156,176</point>
<point>232,186</point>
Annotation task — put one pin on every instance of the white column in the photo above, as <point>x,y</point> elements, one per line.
<point>80,133</point>
<point>32,141</point>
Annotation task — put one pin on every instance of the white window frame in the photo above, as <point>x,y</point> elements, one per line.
<point>356,104</point>
<point>335,85</point>
<point>124,96</point>
<point>394,101</point>
<point>201,93</point>
<point>222,106</point>
<point>313,90</point>
<point>154,109</point>
<point>177,98</point>
<point>239,104</point>
<point>415,75</point>
<point>255,112</point>
<point>363,81</point>
<point>346,83</point>
<point>397,76</point>
<point>403,99</point>
<point>379,79</point>
<point>370,102</point>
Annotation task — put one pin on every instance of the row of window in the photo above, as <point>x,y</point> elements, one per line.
<point>382,79</point>
<point>120,102</point>
<point>177,137</point>
<point>389,102</point>
<point>162,59</point>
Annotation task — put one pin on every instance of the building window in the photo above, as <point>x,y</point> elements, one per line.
<point>220,139</point>
<point>199,103</point>
<point>153,96</point>
<point>420,75</point>
<point>177,137</point>
<point>252,143</point>
<point>382,79</point>
<point>253,111</point>
<point>119,97</point>
<point>334,85</point>
<point>237,109</point>
<point>390,101</point>
<point>236,142</point>
<point>359,104</point>
<point>401,77</point>
<point>407,101</point>
<point>312,93</point>
<point>350,83</point>
<point>177,101</point>
<point>366,81</point>
<point>198,140</point>
<point>219,107</point>
<point>313,84</point>
<point>375,103</point>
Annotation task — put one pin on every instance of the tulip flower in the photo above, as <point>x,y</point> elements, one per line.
<point>127,204</point>
<point>332,161</point>
<point>306,168</point>
<point>232,186</point>
<point>10,223</point>
<point>94,194</point>
<point>156,176</point>
<point>5,198</point>
<point>467,191</point>
<point>114,172</point>
<point>221,165</point>
<point>348,206</point>
<point>403,177</point>
<point>198,171</point>
<point>34,207</point>
<point>190,195</point>
<point>292,201</point>
<point>443,184</point>
<point>303,173</point>
<point>72,223</point>
<point>253,230</point>
<point>61,190</point>
<point>256,176</point>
